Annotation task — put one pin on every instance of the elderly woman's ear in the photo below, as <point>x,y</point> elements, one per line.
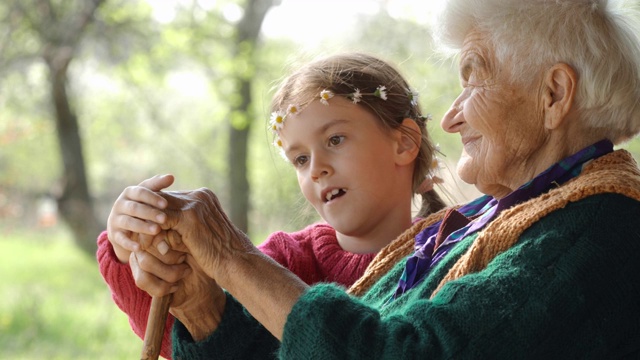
<point>559,89</point>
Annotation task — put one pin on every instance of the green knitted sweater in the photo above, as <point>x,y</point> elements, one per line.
<point>569,288</point>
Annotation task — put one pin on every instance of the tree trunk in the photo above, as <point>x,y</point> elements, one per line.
<point>238,157</point>
<point>248,31</point>
<point>74,202</point>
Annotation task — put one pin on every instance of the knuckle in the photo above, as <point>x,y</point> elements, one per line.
<point>129,207</point>
<point>139,281</point>
<point>128,191</point>
<point>173,277</point>
<point>143,261</point>
<point>126,222</point>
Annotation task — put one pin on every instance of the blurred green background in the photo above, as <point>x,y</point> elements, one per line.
<point>97,95</point>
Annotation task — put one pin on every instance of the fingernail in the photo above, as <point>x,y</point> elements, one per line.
<point>182,259</point>
<point>161,218</point>
<point>162,247</point>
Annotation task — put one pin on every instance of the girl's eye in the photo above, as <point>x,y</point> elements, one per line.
<point>300,160</point>
<point>336,140</point>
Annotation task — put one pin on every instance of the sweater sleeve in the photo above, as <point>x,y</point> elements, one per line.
<point>135,303</point>
<point>557,293</point>
<point>301,253</point>
<point>239,336</point>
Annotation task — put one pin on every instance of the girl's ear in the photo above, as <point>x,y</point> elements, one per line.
<point>408,139</point>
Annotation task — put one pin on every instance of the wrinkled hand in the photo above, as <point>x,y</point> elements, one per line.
<point>198,302</point>
<point>159,269</point>
<point>205,230</point>
<point>265,288</point>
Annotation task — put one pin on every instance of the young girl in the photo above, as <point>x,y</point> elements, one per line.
<point>352,128</point>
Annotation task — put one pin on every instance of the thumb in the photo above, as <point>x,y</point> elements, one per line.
<point>174,239</point>
<point>173,211</point>
<point>158,182</point>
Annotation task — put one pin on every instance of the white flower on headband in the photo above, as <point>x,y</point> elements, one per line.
<point>292,109</point>
<point>325,95</point>
<point>381,92</point>
<point>277,120</point>
<point>426,118</point>
<point>278,144</point>
<point>413,96</point>
<point>356,96</point>
<point>435,164</point>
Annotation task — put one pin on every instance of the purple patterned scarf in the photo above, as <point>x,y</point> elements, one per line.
<point>434,242</point>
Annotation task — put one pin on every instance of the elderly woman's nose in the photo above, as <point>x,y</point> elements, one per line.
<point>453,118</point>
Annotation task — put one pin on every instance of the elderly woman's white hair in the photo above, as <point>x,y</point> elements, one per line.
<point>598,38</point>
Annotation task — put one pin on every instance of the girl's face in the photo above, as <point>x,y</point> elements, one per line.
<point>348,169</point>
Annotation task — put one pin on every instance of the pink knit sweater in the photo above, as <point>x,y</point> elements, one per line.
<point>313,254</point>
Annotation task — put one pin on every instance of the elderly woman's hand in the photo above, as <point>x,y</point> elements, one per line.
<point>265,288</point>
<point>197,301</point>
<point>205,230</point>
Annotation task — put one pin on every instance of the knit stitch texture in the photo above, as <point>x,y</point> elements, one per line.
<point>567,287</point>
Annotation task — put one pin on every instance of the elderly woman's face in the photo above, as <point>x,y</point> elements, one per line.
<point>500,124</point>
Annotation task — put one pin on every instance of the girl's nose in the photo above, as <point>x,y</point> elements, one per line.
<point>320,167</point>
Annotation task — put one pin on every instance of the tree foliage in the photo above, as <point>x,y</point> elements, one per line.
<point>50,32</point>
<point>188,95</point>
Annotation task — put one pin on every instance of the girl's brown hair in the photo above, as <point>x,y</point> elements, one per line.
<point>343,74</point>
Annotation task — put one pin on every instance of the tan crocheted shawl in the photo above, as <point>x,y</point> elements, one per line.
<point>616,172</point>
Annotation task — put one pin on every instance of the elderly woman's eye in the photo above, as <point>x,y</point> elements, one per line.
<point>336,140</point>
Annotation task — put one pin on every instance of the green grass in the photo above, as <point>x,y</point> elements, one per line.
<point>54,303</point>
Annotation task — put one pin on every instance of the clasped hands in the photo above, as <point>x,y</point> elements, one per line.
<point>178,242</point>
<point>196,225</point>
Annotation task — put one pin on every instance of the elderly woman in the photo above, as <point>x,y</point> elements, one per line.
<point>544,265</point>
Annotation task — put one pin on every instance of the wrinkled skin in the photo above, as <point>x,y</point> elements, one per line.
<point>205,230</point>
<point>228,256</point>
<point>156,267</point>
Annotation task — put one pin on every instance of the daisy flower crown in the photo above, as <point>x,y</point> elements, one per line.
<point>278,118</point>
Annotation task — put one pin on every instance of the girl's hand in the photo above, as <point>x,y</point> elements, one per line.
<point>137,210</point>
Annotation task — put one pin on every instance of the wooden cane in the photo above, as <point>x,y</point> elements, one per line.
<point>155,327</point>
<point>156,322</point>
